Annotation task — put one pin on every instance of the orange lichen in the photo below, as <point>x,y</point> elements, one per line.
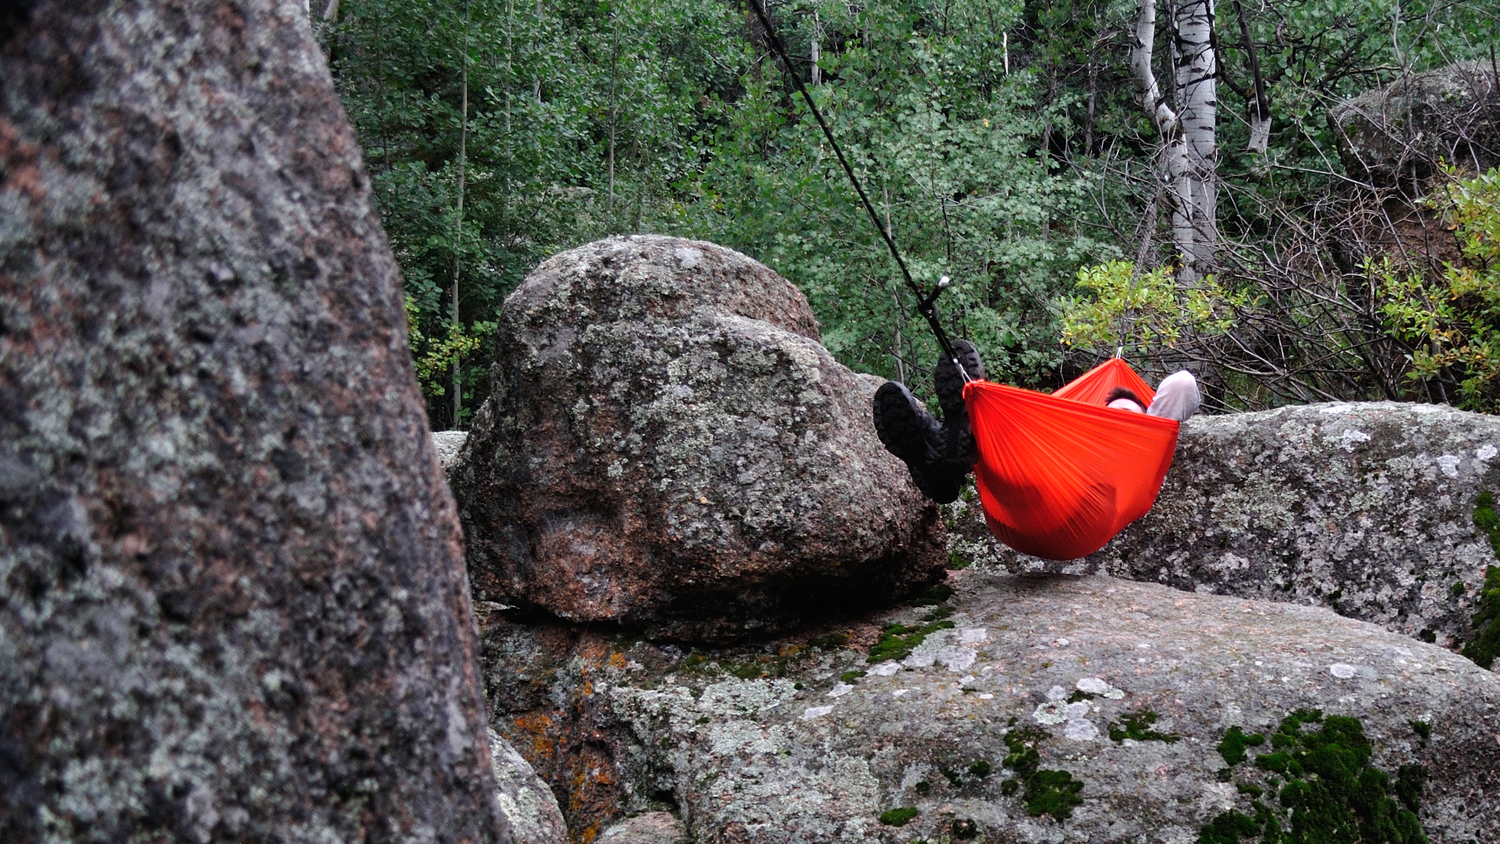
<point>537,726</point>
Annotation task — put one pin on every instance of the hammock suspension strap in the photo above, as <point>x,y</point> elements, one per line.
<point>926,305</point>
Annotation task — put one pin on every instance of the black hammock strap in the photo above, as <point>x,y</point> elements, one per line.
<point>926,304</point>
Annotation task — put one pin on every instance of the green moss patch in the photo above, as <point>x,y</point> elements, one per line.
<point>1044,792</point>
<point>899,817</point>
<point>1487,520</point>
<point>938,614</point>
<point>1137,726</point>
<point>1232,748</point>
<point>829,641</point>
<point>1486,642</point>
<point>898,640</point>
<point>1331,793</point>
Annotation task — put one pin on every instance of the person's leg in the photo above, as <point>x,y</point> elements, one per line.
<point>958,450</point>
<point>939,455</point>
<point>1177,397</point>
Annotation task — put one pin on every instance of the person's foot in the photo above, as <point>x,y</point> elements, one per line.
<point>948,381</point>
<point>1177,397</point>
<point>904,426</point>
<point>908,431</point>
<point>958,449</point>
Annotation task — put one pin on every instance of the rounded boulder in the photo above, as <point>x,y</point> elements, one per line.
<point>667,445</point>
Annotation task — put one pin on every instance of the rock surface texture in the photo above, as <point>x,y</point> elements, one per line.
<point>1049,709</point>
<point>529,806</point>
<point>667,445</point>
<point>232,597</point>
<point>1367,509</point>
<point>1396,136</point>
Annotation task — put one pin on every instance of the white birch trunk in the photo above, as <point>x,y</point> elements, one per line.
<point>1189,151</point>
<point>816,52</point>
<point>1197,79</point>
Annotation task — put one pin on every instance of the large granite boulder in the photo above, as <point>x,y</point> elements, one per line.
<point>1053,709</point>
<point>667,445</point>
<point>232,597</point>
<point>1396,136</point>
<point>1367,509</point>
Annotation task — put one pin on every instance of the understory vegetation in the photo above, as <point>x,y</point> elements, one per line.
<point>1002,143</point>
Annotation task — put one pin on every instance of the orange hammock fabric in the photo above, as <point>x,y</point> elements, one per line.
<point>1061,474</point>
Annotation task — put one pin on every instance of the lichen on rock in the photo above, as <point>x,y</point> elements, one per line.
<point>763,758</point>
<point>668,446</point>
<point>232,596</point>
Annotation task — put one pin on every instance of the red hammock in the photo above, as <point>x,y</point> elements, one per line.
<point>1060,475</point>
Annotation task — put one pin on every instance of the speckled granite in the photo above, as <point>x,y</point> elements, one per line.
<point>667,445</point>
<point>825,742</point>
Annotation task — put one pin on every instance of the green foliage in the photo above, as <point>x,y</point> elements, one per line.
<point>579,119</point>
<point>1046,792</point>
<point>1485,645</point>
<point>1331,793</point>
<point>980,768</point>
<point>946,142</point>
<point>1453,322</point>
<point>1000,142</point>
<point>1137,727</point>
<point>1143,312</point>
<point>898,817</point>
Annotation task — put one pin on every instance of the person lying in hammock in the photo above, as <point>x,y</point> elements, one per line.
<point>941,454</point>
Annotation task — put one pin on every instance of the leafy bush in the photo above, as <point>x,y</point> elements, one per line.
<point>1143,312</point>
<point>1453,321</point>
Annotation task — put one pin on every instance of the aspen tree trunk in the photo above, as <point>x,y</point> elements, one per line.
<point>1197,76</point>
<point>1259,110</point>
<point>816,51</point>
<point>1189,149</point>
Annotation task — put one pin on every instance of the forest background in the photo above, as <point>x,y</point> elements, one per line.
<point>1003,143</point>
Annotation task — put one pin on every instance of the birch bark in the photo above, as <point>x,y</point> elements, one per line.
<point>1189,148</point>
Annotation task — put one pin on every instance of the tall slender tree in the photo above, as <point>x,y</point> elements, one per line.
<point>1187,127</point>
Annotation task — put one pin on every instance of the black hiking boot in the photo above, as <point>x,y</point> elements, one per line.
<point>908,431</point>
<point>949,382</point>
<point>957,451</point>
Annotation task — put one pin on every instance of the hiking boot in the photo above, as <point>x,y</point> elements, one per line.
<point>942,482</point>
<point>957,450</point>
<point>908,431</point>
<point>904,426</point>
<point>948,381</point>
